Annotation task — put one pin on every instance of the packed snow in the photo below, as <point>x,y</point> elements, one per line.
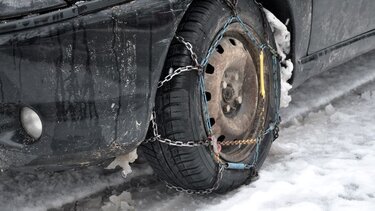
<point>118,203</point>
<point>42,191</point>
<point>124,161</point>
<point>282,39</point>
<point>324,162</point>
<point>331,85</point>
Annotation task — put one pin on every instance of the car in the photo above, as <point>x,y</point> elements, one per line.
<point>194,83</point>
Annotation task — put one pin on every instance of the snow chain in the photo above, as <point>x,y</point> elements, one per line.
<point>211,141</point>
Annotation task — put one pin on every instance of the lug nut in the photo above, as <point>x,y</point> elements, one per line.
<point>236,77</point>
<point>227,108</point>
<point>224,84</point>
<point>239,100</point>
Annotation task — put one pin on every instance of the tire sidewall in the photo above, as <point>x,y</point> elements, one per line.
<point>201,43</point>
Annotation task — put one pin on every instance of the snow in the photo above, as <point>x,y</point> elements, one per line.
<point>42,191</point>
<point>324,162</point>
<point>286,74</point>
<point>120,202</point>
<point>280,32</point>
<point>123,161</point>
<point>282,39</point>
<point>329,86</point>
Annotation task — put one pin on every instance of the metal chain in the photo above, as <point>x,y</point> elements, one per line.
<point>188,68</point>
<point>176,72</point>
<point>217,41</point>
<point>238,142</point>
<point>216,185</point>
<point>157,137</point>
<point>188,46</point>
<point>273,127</point>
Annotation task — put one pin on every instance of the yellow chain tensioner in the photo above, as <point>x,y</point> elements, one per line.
<point>262,87</point>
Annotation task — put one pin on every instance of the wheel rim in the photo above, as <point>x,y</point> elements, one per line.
<point>233,94</point>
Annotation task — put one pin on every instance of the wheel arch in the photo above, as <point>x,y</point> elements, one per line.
<point>299,14</point>
<point>283,11</point>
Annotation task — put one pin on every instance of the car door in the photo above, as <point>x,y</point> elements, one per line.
<point>336,21</point>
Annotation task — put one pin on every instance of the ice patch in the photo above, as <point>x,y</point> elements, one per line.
<point>282,39</point>
<point>123,161</point>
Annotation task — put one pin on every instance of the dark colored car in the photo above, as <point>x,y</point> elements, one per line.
<point>79,81</point>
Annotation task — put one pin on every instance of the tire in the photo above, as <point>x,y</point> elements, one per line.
<point>179,106</point>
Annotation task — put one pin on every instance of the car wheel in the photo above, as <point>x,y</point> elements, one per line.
<point>236,107</point>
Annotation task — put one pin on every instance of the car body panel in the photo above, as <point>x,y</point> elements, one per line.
<point>301,18</point>
<point>348,31</point>
<point>340,31</point>
<point>91,78</point>
<point>335,21</point>
<point>13,9</point>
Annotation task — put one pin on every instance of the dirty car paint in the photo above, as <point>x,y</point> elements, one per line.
<point>91,78</point>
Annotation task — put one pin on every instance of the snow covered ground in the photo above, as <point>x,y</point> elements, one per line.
<point>323,160</point>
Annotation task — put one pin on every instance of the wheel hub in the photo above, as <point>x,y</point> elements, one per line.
<point>231,91</point>
<point>232,83</point>
<point>228,94</point>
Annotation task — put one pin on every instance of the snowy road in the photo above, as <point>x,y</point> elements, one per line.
<point>323,160</point>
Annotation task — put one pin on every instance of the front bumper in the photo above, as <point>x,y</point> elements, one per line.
<point>91,78</point>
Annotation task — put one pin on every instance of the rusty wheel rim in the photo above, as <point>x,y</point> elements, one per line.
<point>233,93</point>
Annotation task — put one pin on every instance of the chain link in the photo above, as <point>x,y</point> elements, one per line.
<point>216,185</point>
<point>238,142</point>
<point>176,72</point>
<point>189,47</point>
<point>157,137</point>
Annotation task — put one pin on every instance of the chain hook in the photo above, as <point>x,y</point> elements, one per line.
<point>215,144</point>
